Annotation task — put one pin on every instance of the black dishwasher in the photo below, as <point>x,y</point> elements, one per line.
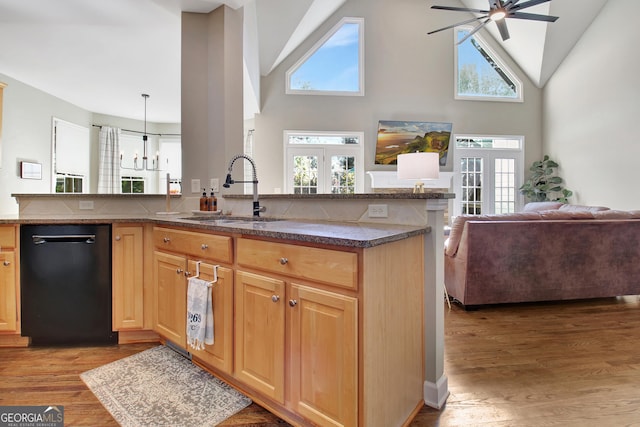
<point>65,284</point>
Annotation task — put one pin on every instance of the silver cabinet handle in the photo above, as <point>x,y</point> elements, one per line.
<point>166,240</point>
<point>275,298</point>
<point>187,273</point>
<point>204,246</point>
<point>6,263</point>
<point>293,302</point>
<point>179,271</point>
<point>117,238</point>
<point>283,261</point>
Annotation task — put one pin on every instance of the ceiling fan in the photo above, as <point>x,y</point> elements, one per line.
<point>498,11</point>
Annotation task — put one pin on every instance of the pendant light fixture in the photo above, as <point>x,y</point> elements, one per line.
<point>145,159</point>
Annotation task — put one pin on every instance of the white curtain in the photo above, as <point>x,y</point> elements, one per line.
<point>109,168</point>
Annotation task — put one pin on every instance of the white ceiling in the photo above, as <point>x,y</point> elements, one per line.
<point>537,47</point>
<point>101,55</point>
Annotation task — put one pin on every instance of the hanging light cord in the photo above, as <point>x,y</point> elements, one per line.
<point>144,137</point>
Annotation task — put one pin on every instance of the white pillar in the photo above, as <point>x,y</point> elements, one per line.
<point>436,389</point>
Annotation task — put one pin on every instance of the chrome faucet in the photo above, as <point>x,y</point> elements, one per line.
<point>227,183</point>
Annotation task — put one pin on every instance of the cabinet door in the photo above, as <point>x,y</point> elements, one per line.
<point>324,356</point>
<point>260,336</point>
<point>171,297</point>
<point>8,306</point>
<point>220,354</point>
<point>128,286</point>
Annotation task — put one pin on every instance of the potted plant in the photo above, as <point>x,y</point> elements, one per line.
<point>543,184</point>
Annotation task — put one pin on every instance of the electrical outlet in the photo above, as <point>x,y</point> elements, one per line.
<point>378,211</point>
<point>195,186</point>
<point>215,185</point>
<point>85,204</point>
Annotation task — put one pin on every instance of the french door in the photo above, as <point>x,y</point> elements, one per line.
<point>486,181</point>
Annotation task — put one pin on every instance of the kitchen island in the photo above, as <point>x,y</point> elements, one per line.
<point>360,284</point>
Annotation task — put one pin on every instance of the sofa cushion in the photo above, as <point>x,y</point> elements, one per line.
<point>566,215</point>
<point>541,206</point>
<point>580,208</point>
<point>451,245</point>
<point>616,214</point>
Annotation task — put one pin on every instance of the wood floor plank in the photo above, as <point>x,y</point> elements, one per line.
<point>547,364</point>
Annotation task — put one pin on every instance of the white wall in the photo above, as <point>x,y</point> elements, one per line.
<point>409,75</point>
<point>26,136</point>
<point>156,181</point>
<point>590,106</point>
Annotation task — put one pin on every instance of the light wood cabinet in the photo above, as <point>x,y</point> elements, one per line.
<point>176,255</point>
<point>197,245</point>
<point>327,266</point>
<point>314,371</point>
<point>128,277</point>
<point>318,335</point>
<point>220,354</point>
<point>8,279</point>
<point>260,333</point>
<point>170,297</point>
<point>323,354</point>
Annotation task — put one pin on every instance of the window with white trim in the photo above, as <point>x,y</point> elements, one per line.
<point>70,157</point>
<point>170,162</point>
<point>480,73</point>
<point>323,162</point>
<point>334,65</point>
<point>69,183</point>
<point>488,170</point>
<point>132,185</point>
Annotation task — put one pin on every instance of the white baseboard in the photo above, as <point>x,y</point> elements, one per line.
<point>436,394</point>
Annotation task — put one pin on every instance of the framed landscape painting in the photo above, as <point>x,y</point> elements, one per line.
<point>401,137</point>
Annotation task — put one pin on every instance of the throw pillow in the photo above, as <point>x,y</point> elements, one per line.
<point>580,208</point>
<point>541,206</point>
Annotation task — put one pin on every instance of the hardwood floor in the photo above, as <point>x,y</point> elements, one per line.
<point>566,364</point>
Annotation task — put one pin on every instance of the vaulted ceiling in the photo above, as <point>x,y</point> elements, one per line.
<point>537,47</point>
<point>102,55</point>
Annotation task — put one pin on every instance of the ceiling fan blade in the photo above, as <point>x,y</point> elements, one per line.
<point>502,27</point>
<point>459,9</point>
<point>475,30</point>
<point>527,4</point>
<point>532,17</point>
<point>457,24</point>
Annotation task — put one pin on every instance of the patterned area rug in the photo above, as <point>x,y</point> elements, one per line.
<point>159,387</point>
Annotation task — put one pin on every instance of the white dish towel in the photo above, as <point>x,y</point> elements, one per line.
<point>199,313</point>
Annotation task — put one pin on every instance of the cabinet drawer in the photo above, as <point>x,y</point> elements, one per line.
<point>7,236</point>
<point>198,245</point>
<point>317,264</point>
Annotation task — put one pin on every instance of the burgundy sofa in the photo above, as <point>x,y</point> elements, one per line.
<point>547,252</point>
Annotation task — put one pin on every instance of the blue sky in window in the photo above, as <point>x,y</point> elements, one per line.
<point>334,66</point>
<point>468,54</point>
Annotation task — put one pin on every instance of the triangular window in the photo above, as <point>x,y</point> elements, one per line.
<point>334,66</point>
<point>480,74</point>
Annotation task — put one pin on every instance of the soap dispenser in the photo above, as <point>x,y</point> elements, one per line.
<point>204,201</point>
<point>213,202</point>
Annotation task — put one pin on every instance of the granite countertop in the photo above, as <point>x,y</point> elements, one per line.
<point>368,196</point>
<point>381,195</point>
<point>351,234</point>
